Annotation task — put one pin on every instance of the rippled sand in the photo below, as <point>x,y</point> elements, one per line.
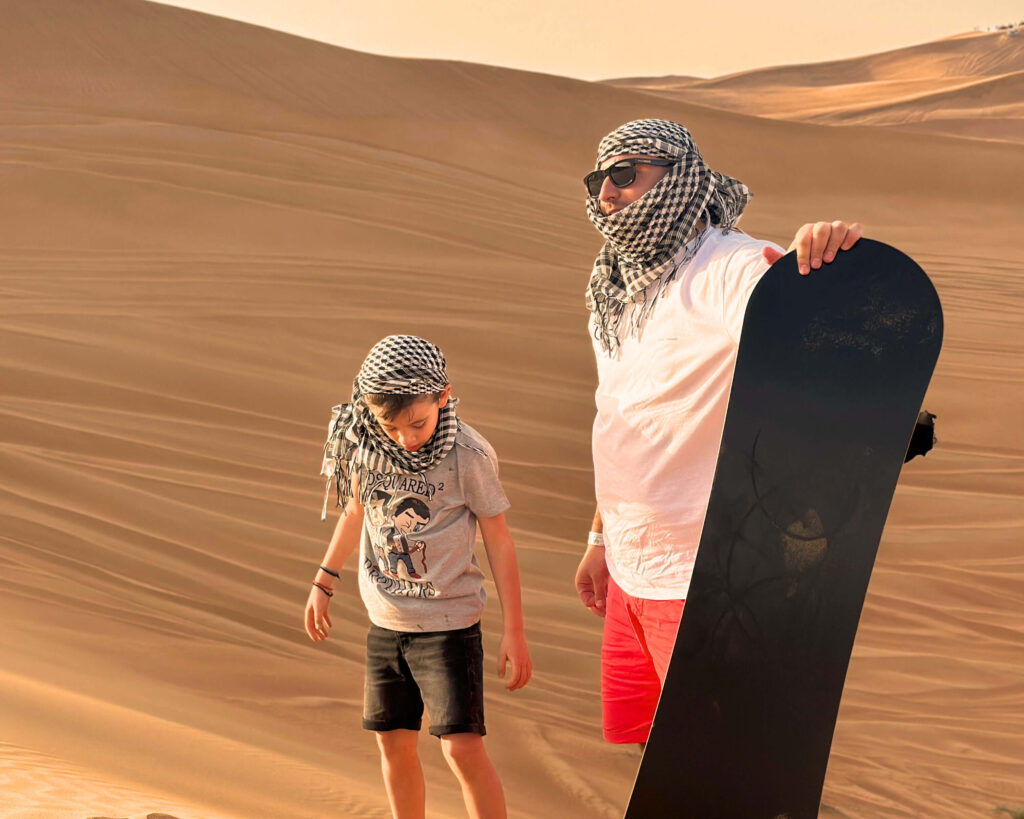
<point>206,225</point>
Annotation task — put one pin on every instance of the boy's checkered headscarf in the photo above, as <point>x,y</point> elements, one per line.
<point>356,444</point>
<point>644,238</point>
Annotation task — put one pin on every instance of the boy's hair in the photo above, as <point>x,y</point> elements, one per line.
<point>416,505</point>
<point>396,372</point>
<point>390,404</point>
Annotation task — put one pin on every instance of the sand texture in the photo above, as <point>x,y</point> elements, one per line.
<point>204,227</point>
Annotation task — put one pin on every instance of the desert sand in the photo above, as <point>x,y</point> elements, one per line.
<point>205,226</point>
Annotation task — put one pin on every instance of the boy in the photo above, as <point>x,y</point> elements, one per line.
<point>414,482</point>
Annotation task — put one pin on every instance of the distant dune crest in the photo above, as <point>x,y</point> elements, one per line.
<point>968,85</point>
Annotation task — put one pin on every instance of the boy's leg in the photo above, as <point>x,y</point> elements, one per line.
<point>449,669</point>
<point>481,787</point>
<point>393,709</point>
<point>403,776</point>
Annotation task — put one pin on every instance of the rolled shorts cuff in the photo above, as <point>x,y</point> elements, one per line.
<point>464,728</point>
<point>391,725</point>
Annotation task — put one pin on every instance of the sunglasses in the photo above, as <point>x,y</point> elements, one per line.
<point>622,174</point>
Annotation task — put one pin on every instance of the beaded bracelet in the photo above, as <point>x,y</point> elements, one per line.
<point>330,572</point>
<point>324,589</point>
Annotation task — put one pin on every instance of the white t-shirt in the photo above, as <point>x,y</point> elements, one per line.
<point>661,401</point>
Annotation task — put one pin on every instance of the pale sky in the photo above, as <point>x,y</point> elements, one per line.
<point>597,39</point>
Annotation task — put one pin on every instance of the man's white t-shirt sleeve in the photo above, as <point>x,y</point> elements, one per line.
<point>745,268</point>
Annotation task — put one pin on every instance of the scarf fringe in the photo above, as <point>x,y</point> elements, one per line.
<point>609,317</point>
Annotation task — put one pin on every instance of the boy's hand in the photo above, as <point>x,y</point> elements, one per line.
<point>513,650</point>
<point>318,621</point>
<point>817,242</point>
<point>592,580</point>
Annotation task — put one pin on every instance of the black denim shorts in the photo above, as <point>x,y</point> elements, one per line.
<point>442,670</point>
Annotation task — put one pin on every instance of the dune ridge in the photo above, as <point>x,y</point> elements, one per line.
<point>206,226</point>
<point>966,85</point>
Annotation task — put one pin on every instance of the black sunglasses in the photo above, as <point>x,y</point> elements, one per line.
<point>622,174</point>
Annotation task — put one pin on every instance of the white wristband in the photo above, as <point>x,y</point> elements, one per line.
<point>595,539</point>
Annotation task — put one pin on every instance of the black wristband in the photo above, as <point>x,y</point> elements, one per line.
<point>332,574</point>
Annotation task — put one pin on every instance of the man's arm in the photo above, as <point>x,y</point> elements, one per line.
<point>592,574</point>
<point>501,555</point>
<point>818,242</point>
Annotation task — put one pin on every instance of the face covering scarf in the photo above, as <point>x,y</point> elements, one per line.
<point>643,240</point>
<point>357,446</point>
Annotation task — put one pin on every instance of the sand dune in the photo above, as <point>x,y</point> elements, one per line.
<point>206,224</point>
<point>968,85</point>
<point>1002,97</point>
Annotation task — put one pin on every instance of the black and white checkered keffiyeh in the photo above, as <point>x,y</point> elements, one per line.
<point>645,237</point>
<point>356,444</point>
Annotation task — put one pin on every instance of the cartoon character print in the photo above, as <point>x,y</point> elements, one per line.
<point>410,515</point>
<point>390,522</point>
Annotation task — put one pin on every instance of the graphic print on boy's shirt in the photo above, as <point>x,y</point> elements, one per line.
<point>394,541</point>
<point>392,521</point>
<point>417,544</point>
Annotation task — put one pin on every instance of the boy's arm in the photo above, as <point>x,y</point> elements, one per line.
<point>343,542</point>
<point>501,555</point>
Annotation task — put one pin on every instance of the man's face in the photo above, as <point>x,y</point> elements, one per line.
<point>613,199</point>
<point>408,522</point>
<point>413,426</point>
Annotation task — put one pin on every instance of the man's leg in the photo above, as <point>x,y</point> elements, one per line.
<point>407,560</point>
<point>393,558</point>
<point>630,685</point>
<point>403,776</point>
<point>481,788</point>
<point>657,623</point>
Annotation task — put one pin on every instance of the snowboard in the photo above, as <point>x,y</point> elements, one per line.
<point>830,376</point>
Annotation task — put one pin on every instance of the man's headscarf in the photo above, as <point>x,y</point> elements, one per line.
<point>357,446</point>
<point>645,237</point>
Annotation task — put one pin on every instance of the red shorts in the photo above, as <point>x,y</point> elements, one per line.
<point>635,651</point>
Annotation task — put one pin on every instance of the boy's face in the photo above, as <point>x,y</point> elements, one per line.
<point>412,427</point>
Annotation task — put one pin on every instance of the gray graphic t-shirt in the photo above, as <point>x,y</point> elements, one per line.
<point>417,571</point>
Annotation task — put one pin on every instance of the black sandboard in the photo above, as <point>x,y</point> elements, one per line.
<point>830,375</point>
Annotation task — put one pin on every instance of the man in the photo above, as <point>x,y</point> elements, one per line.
<point>411,516</point>
<point>666,296</point>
